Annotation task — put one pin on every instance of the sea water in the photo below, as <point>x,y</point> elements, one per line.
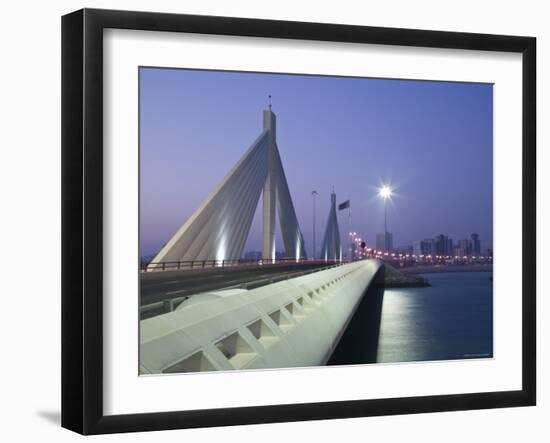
<point>451,319</point>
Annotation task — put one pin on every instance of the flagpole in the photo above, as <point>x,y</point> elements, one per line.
<point>350,236</point>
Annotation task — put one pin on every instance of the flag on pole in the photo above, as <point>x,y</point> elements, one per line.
<point>343,205</point>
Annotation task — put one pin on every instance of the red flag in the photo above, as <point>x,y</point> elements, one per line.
<point>343,205</point>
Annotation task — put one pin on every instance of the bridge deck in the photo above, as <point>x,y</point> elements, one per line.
<point>291,323</point>
<point>161,286</point>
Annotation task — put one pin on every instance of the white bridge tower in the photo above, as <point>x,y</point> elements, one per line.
<point>218,229</point>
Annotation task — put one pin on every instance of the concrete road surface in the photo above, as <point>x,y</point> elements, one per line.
<point>159,286</point>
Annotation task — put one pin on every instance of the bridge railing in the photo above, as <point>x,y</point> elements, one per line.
<point>292,323</point>
<point>170,304</point>
<point>203,264</point>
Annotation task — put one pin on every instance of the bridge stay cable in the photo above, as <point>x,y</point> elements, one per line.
<point>219,227</point>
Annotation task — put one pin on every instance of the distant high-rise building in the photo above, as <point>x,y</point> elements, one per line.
<point>442,245</point>
<point>465,247</point>
<point>460,251</point>
<point>403,250</point>
<point>384,242</point>
<point>422,247</point>
<point>476,244</point>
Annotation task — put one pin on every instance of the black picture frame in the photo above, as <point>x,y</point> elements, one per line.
<point>82,218</point>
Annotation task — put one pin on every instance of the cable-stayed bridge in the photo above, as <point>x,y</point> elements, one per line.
<point>218,229</point>
<point>260,305</point>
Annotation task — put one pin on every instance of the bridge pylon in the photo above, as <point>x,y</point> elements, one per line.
<point>332,248</point>
<point>219,227</point>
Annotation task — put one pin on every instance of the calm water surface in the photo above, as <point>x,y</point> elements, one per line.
<point>452,319</point>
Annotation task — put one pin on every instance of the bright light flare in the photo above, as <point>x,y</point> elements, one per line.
<point>385,192</point>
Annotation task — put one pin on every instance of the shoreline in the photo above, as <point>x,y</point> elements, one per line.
<point>394,278</point>
<point>446,268</point>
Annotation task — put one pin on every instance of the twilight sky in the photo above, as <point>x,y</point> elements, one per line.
<point>431,141</point>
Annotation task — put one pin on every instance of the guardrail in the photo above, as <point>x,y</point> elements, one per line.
<point>201,264</point>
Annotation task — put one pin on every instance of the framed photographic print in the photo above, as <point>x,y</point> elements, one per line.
<point>269,221</point>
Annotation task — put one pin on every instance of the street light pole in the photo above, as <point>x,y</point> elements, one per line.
<point>386,225</point>
<point>313,194</point>
<point>350,235</point>
<point>385,193</point>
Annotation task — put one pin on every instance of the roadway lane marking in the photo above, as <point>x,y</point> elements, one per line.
<point>176,292</point>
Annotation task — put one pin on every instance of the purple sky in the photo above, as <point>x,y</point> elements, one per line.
<point>432,141</point>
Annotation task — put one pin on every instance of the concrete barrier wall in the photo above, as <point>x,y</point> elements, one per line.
<point>292,323</point>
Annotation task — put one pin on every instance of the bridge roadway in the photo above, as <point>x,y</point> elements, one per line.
<point>165,285</point>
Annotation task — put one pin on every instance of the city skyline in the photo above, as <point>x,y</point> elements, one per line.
<point>339,132</point>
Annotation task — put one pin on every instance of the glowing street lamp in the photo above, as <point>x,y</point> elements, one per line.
<point>385,192</point>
